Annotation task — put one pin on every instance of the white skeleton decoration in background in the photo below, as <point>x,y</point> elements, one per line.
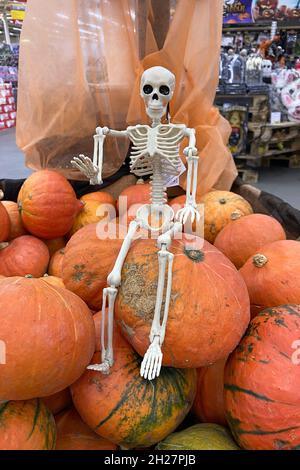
<point>155,152</point>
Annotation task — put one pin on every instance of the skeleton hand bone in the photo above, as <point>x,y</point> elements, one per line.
<point>188,211</point>
<point>86,166</point>
<point>151,364</point>
<point>104,367</point>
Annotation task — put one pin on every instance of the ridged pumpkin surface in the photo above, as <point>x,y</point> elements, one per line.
<point>24,255</point>
<point>208,406</point>
<point>74,434</point>
<point>48,204</point>
<point>87,262</point>
<point>127,409</point>
<point>244,237</point>
<point>56,261</point>
<point>221,208</point>
<point>272,276</point>
<point>26,425</point>
<point>262,382</point>
<point>199,437</point>
<point>209,307</point>
<point>49,336</point>
<point>16,225</point>
<point>54,281</point>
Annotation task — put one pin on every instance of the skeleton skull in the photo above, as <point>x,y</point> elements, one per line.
<point>157,88</point>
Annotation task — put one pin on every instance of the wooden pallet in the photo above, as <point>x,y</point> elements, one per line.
<point>247,175</point>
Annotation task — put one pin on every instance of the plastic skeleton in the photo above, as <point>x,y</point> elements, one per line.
<point>155,152</point>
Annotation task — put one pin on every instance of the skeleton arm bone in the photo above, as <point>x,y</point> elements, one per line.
<point>190,208</point>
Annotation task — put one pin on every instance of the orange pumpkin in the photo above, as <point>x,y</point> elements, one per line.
<point>221,208</point>
<point>48,204</point>
<point>4,222</point>
<point>16,225</point>
<point>74,434</point>
<point>49,337</point>
<point>262,382</point>
<point>272,275</point>
<point>58,401</point>
<point>55,244</point>
<point>92,212</point>
<point>209,307</point>
<point>26,425</point>
<point>54,281</point>
<point>139,193</point>
<point>244,237</point>
<point>55,265</point>
<point>24,255</point>
<point>87,263</point>
<point>127,409</point>
<point>99,196</point>
<point>208,406</point>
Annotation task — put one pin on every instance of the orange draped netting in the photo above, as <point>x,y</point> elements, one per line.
<point>80,67</point>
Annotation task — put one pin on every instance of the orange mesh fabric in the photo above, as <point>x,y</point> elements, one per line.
<point>80,67</point>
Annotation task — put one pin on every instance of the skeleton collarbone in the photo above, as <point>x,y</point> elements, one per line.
<point>149,142</point>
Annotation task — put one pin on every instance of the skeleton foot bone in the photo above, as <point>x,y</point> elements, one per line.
<point>151,363</point>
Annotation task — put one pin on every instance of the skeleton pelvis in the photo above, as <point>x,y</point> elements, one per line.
<point>155,217</point>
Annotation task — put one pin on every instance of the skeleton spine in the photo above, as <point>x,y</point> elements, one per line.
<point>158,190</point>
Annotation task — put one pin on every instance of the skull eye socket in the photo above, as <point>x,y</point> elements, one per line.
<point>147,89</point>
<point>164,90</point>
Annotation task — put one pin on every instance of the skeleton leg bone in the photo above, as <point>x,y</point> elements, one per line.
<point>113,281</point>
<point>152,361</point>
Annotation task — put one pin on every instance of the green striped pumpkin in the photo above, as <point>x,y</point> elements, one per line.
<point>26,425</point>
<point>262,382</point>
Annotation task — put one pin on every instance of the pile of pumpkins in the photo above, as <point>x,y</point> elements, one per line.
<point>231,355</point>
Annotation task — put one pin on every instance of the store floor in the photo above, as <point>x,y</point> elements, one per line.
<point>283,182</point>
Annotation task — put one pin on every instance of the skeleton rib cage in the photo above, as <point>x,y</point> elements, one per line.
<point>161,141</point>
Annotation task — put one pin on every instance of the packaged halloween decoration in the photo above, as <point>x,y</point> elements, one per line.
<point>237,117</point>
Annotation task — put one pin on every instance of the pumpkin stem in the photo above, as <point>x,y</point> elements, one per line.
<point>259,260</point>
<point>194,255</point>
<point>3,245</point>
<point>222,200</point>
<point>235,215</point>
<point>29,276</point>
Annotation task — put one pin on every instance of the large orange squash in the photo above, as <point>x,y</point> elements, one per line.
<point>209,307</point>
<point>272,276</point>
<point>127,409</point>
<point>74,434</point>
<point>26,425</point>
<point>208,406</point>
<point>56,261</point>
<point>58,401</point>
<point>24,255</point>
<point>221,208</point>
<point>87,263</point>
<point>4,222</point>
<point>49,338</point>
<point>16,225</point>
<point>262,382</point>
<point>48,204</point>
<point>245,236</point>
